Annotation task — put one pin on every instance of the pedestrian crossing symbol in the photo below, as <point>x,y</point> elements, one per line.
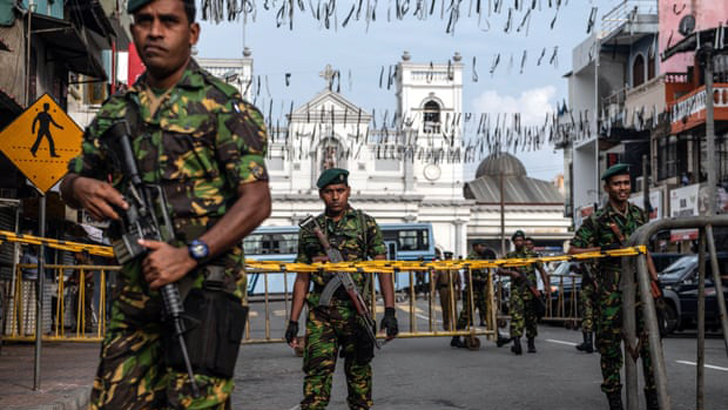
<point>41,141</point>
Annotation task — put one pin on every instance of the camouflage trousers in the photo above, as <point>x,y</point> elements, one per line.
<point>479,298</point>
<point>329,330</point>
<point>609,342</point>
<point>587,298</point>
<point>132,374</point>
<point>523,313</point>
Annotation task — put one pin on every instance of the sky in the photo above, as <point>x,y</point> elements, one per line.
<point>360,51</point>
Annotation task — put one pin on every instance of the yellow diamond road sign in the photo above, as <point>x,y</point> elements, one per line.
<point>41,141</point>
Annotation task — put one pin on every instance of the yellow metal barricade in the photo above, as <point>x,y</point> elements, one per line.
<point>18,323</point>
<point>70,285</point>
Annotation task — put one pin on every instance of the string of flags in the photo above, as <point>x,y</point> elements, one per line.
<point>332,15</point>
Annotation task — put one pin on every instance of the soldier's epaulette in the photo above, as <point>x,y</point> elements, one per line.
<point>225,88</point>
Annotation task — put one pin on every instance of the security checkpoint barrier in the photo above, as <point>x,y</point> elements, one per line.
<point>73,327</point>
<point>565,303</point>
<point>76,316</point>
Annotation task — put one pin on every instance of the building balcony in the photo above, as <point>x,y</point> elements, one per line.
<point>629,21</point>
<point>689,112</point>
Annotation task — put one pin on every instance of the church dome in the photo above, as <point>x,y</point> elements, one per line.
<point>503,162</point>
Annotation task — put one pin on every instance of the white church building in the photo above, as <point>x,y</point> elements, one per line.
<point>413,175</point>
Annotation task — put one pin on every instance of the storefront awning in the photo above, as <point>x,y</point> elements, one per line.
<point>68,45</point>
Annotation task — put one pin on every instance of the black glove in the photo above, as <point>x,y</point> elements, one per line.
<point>291,331</point>
<point>389,322</point>
<point>611,247</point>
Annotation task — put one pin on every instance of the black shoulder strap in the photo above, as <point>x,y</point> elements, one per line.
<point>362,221</point>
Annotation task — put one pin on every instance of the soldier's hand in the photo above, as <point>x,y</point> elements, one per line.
<point>292,333</point>
<point>98,198</point>
<point>320,259</point>
<point>389,322</point>
<point>165,263</point>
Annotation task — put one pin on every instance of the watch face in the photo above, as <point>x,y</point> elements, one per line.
<point>198,250</point>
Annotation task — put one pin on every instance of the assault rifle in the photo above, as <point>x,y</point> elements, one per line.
<point>540,305</point>
<point>342,279</point>
<point>140,222</point>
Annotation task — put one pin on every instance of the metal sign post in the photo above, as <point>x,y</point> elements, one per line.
<point>39,293</point>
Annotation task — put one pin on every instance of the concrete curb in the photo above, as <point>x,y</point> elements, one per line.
<point>77,399</point>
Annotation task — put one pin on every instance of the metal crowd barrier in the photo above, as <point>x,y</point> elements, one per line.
<point>76,316</point>
<point>421,322</point>
<point>641,238</point>
<point>79,317</point>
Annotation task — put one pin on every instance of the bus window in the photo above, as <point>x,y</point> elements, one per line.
<point>408,240</point>
<point>413,240</point>
<point>253,244</point>
<point>283,243</point>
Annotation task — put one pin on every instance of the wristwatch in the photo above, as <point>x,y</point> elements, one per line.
<point>198,250</point>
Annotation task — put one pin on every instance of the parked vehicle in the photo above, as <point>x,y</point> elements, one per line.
<point>679,283</point>
<point>404,242</point>
<point>663,260</point>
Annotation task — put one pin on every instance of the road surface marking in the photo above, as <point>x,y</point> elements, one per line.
<point>707,366</point>
<point>561,342</point>
<point>253,313</point>
<point>279,312</point>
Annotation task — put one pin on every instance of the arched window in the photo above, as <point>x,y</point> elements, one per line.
<point>331,154</point>
<point>638,71</point>
<point>651,67</point>
<point>431,117</point>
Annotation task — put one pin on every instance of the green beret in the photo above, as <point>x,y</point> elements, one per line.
<point>479,242</point>
<point>616,169</point>
<point>134,5</point>
<point>517,234</point>
<point>332,176</point>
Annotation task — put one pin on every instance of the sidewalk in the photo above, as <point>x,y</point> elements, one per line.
<point>67,372</point>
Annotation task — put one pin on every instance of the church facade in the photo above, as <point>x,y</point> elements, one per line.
<point>412,175</point>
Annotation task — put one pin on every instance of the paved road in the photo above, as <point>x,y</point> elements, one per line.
<point>427,374</point>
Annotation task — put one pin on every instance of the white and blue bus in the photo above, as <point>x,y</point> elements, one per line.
<point>404,242</point>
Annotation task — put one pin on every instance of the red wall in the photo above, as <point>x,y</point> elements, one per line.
<point>136,67</point>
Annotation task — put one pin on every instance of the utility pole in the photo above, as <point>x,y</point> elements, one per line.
<point>502,215</point>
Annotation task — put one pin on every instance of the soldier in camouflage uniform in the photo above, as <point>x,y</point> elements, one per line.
<point>587,299</point>
<point>336,328</point>
<point>480,281</point>
<point>523,308</point>
<point>607,229</point>
<point>194,136</point>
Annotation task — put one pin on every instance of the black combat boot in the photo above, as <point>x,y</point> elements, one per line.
<point>502,340</point>
<point>516,348</point>
<point>651,399</point>
<point>615,400</point>
<point>587,345</point>
<point>531,345</point>
<point>456,342</point>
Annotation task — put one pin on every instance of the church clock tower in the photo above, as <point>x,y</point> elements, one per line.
<point>429,104</point>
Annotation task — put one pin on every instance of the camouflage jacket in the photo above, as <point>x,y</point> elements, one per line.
<point>202,142</point>
<point>479,275</point>
<point>356,235</point>
<point>529,270</point>
<point>597,231</point>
